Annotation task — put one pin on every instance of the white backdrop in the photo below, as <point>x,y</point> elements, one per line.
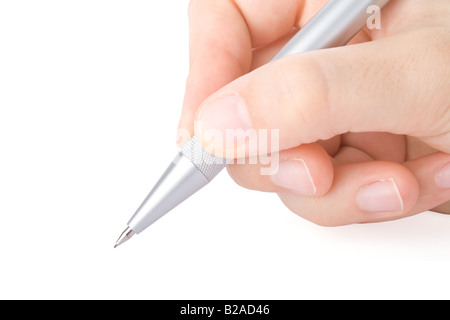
<point>90,93</point>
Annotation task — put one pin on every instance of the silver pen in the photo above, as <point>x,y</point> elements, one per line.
<point>193,168</point>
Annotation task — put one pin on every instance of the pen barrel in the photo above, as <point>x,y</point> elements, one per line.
<point>334,26</point>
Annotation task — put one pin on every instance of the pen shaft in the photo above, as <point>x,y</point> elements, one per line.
<point>333,26</point>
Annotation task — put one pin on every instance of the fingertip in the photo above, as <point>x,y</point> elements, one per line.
<point>305,170</point>
<point>433,174</point>
<point>386,191</point>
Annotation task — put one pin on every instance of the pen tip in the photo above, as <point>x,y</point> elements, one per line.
<point>124,237</point>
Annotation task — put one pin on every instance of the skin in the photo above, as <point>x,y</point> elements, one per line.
<point>376,109</point>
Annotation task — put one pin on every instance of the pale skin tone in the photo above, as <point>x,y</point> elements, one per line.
<point>364,129</point>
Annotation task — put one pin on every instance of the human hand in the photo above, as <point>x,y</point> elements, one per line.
<point>364,130</point>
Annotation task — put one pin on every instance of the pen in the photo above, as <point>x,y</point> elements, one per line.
<point>193,168</point>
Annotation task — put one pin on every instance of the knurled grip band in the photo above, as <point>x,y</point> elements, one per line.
<point>208,164</point>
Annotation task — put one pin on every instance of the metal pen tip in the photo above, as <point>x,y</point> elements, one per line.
<point>124,237</point>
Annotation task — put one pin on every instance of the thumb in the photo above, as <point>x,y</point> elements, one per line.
<point>389,85</point>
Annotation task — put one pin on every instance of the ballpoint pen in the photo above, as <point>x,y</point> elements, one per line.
<point>193,168</point>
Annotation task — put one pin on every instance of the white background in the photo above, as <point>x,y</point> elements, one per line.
<point>90,94</point>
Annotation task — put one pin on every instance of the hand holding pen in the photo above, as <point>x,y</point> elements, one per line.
<point>364,129</point>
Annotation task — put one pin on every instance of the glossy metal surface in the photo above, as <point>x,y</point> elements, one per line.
<point>180,180</point>
<point>124,237</point>
<point>335,25</point>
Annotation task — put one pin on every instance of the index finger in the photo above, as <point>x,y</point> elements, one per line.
<point>222,36</point>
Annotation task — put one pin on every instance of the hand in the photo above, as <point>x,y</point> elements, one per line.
<point>364,130</point>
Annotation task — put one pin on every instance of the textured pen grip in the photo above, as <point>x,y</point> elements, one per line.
<point>208,164</point>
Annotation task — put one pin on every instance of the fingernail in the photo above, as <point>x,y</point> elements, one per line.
<point>443,177</point>
<point>223,113</point>
<point>381,196</point>
<point>294,175</point>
